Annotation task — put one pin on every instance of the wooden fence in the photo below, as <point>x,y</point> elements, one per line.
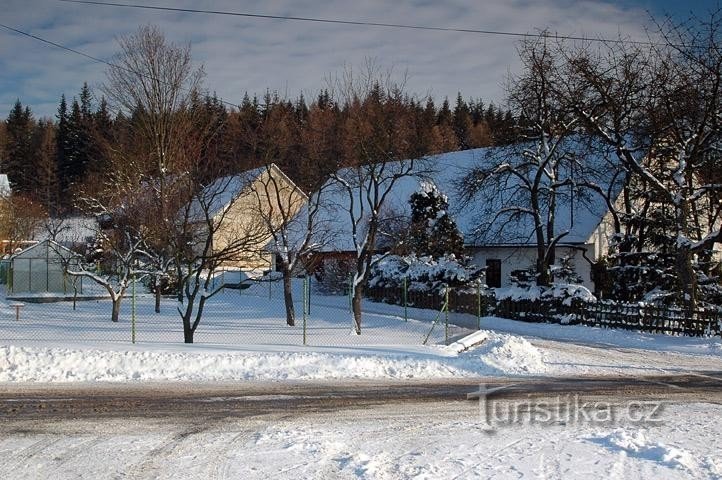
<point>670,320</point>
<point>461,301</point>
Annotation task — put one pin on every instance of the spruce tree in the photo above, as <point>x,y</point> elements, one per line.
<point>46,176</point>
<point>444,117</point>
<point>62,138</point>
<point>446,239</point>
<point>85,101</point>
<point>77,156</point>
<point>433,232</point>
<point>18,148</point>
<point>462,122</point>
<point>102,132</point>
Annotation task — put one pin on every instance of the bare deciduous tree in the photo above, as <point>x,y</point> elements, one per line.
<point>154,84</point>
<point>119,254</point>
<point>292,219</point>
<point>20,220</point>
<point>383,145</point>
<point>527,182</point>
<point>216,226</point>
<point>659,107</point>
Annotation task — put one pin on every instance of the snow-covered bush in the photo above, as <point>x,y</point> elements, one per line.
<point>565,272</point>
<point>523,278</point>
<point>565,293</point>
<point>424,273</point>
<point>644,267</point>
<point>333,275</point>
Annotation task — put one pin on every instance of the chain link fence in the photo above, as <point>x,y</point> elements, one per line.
<point>68,311</point>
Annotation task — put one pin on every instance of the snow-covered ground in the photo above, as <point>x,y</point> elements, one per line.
<point>231,318</point>
<point>243,336</point>
<point>391,442</point>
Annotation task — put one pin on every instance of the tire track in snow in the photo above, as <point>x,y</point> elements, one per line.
<point>72,451</point>
<point>19,459</point>
<point>157,459</point>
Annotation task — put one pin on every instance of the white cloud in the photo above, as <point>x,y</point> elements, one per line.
<point>241,54</point>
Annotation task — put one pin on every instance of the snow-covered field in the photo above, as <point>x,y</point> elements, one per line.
<point>232,318</point>
<point>243,336</point>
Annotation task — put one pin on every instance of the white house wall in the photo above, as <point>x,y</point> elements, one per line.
<point>519,258</point>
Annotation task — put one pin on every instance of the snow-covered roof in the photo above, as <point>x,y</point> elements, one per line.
<point>222,192</point>
<point>4,185</point>
<point>48,247</point>
<point>580,217</point>
<point>69,230</point>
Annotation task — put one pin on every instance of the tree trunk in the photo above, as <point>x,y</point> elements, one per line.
<point>356,307</point>
<point>188,335</point>
<point>157,297</point>
<point>187,329</point>
<point>542,267</point>
<point>115,316</point>
<point>686,277</point>
<point>288,298</point>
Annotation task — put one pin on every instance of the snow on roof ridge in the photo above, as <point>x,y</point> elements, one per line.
<point>449,167</point>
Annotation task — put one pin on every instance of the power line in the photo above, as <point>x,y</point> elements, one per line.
<point>49,42</point>
<point>95,59</point>
<point>359,23</point>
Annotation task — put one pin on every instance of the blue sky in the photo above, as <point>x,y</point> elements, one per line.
<point>240,54</point>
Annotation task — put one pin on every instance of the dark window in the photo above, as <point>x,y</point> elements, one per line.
<point>493,272</point>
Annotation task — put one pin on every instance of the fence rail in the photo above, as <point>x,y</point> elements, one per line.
<point>670,320</point>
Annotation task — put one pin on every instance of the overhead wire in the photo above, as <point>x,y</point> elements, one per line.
<point>90,57</point>
<point>357,22</point>
<point>542,34</point>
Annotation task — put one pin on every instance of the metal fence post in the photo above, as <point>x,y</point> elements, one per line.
<point>446,316</point>
<point>406,308</point>
<point>132,314</point>
<point>478,306</point>
<point>308,294</point>
<point>305,306</point>
<point>350,293</point>
<point>270,287</point>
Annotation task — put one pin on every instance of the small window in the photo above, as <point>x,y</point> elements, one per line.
<point>493,272</point>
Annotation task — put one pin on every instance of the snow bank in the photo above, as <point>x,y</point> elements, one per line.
<point>637,445</point>
<point>511,355</point>
<point>499,355</point>
<point>504,354</point>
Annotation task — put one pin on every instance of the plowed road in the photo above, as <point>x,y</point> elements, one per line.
<point>247,399</point>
